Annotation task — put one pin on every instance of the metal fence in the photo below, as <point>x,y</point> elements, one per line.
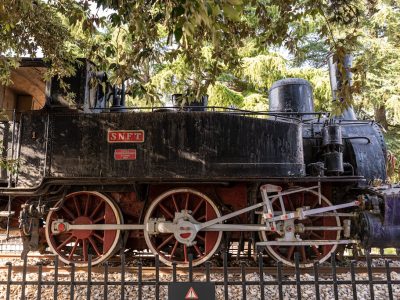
<point>39,281</point>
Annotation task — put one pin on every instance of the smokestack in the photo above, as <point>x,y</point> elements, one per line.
<point>118,103</point>
<point>336,79</point>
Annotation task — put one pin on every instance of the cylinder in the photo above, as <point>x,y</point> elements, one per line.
<point>332,135</point>
<point>374,233</point>
<point>333,162</point>
<point>291,95</point>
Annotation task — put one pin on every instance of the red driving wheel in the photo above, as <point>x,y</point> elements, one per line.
<point>201,209</point>
<point>314,231</point>
<point>75,246</point>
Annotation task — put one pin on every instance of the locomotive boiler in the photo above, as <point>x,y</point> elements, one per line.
<point>94,177</point>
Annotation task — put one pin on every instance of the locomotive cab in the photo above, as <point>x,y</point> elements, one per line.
<point>25,94</point>
<point>27,91</point>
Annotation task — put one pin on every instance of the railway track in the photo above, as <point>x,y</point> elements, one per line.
<point>150,271</point>
<point>114,266</point>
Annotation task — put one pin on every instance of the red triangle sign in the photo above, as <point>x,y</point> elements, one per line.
<point>191,294</point>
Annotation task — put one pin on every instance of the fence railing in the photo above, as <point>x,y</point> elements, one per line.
<point>328,281</point>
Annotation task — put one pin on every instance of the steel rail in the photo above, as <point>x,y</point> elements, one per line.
<point>64,271</point>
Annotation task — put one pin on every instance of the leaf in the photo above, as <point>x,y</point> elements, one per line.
<point>178,34</point>
<point>178,11</point>
<point>231,12</point>
<point>110,51</point>
<point>159,16</point>
<point>235,2</point>
<point>115,19</point>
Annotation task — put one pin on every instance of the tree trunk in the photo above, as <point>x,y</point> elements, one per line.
<point>380,116</point>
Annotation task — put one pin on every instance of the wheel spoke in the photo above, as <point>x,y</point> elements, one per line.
<point>166,211</point>
<point>290,252</point>
<point>315,203</point>
<point>201,238</point>
<point>87,206</point>
<point>70,214</point>
<point>92,242</point>
<point>78,212</point>
<point>98,236</point>
<point>65,242</point>
<point>99,219</point>
<point>174,248</point>
<point>187,201</point>
<point>198,250</point>
<point>174,202</point>
<point>165,242</point>
<point>316,235</point>
<point>203,217</point>
<point>290,204</point>
<point>73,248</point>
<point>185,253</point>
<point>315,250</point>
<point>303,253</point>
<point>85,250</point>
<point>96,210</point>
<point>197,207</point>
<point>315,219</point>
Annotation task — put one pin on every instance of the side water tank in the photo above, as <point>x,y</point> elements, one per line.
<point>291,95</point>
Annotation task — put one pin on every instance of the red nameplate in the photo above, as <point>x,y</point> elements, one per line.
<point>125,154</point>
<point>125,136</point>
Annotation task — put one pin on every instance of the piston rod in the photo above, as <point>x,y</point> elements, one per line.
<point>167,227</point>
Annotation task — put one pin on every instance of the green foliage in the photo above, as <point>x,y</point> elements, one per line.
<point>130,38</point>
<point>379,62</point>
<point>164,47</point>
<point>262,70</point>
<point>256,102</point>
<point>27,26</point>
<point>252,80</point>
<point>392,138</point>
<point>10,165</point>
<point>221,95</point>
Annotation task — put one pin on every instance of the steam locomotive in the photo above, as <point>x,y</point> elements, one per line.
<point>93,177</point>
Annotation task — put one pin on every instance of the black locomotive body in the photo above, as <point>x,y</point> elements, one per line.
<point>171,146</point>
<point>94,178</point>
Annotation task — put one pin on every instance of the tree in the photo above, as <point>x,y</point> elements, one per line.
<point>257,74</point>
<point>155,31</point>
<point>380,64</point>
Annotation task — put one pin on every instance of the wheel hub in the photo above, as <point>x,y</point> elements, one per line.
<point>288,234</point>
<point>82,234</point>
<point>185,232</point>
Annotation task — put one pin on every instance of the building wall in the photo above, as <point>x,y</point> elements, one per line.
<point>7,102</point>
